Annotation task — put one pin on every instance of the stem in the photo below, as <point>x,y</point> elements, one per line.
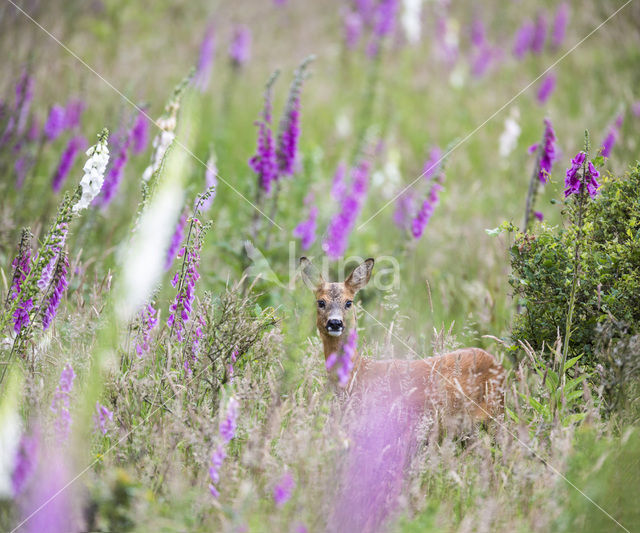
<point>576,269</point>
<point>534,184</point>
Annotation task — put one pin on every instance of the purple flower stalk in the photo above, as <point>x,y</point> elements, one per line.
<point>353,25</point>
<point>405,206</point>
<point>25,463</point>
<point>176,240</point>
<point>50,305</point>
<point>574,184</point>
<point>560,22</point>
<point>612,136</point>
<point>149,318</point>
<point>539,34</point>
<point>114,176</point>
<point>21,317</point>
<point>101,417</point>
<point>306,230</point>
<point>264,163</point>
<point>547,87</point>
<point>61,402</point>
<point>21,265</point>
<point>481,60</point>
<point>338,186</point>
<point>240,47</point>
<point>55,123</point>
<point>538,215</point>
<point>205,60</point>
<point>342,222</point>
<point>24,96</point>
<point>73,113</point>
<point>345,360</point>
<point>74,147</point>
<point>288,140</point>
<point>283,489</point>
<point>548,155</point>
<point>140,133</point>
<point>478,32</point>
<point>181,307</point>
<point>419,223</point>
<point>523,39</point>
<point>217,458</point>
<point>228,425</point>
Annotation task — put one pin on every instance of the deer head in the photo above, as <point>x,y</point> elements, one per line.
<point>334,301</point>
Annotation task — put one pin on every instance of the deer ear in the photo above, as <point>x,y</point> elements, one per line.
<point>310,274</point>
<point>360,275</point>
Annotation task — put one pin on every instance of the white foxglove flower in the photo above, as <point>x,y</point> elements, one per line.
<point>167,124</point>
<point>509,137</point>
<point>411,19</point>
<point>94,170</point>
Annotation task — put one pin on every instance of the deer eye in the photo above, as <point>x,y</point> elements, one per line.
<point>321,304</point>
<point>348,304</point>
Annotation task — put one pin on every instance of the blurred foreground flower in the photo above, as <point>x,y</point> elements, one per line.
<point>547,85</point>
<point>283,489</point>
<point>74,146</point>
<point>61,403</point>
<point>205,60</point>
<point>240,47</point>
<point>612,136</point>
<point>343,362</point>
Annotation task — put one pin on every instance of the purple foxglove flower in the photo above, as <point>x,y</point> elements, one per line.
<point>34,130</point>
<point>523,39</point>
<point>73,113</point>
<point>176,241</point>
<point>481,60</point>
<point>342,222</point>
<point>419,223</point>
<point>61,402</point>
<point>572,180</point>
<point>74,147</point>
<point>21,265</point>
<point>538,215</point>
<point>217,458</point>
<point>25,463</point>
<point>432,164</point>
<point>264,163</point>
<point>59,284</point>
<point>149,318</point>
<point>539,34</point>
<point>346,359</point>
<point>21,167</point>
<point>288,141</point>
<point>21,317</point>
<point>547,86</point>
<point>405,207</point>
<point>331,360</point>
<point>240,47</point>
<point>228,425</point>
<point>612,136</point>
<point>548,155</point>
<point>592,183</point>
<point>283,489</point>
<point>560,22</point>
<point>180,309</point>
<point>55,123</point>
<point>101,416</point>
<point>24,96</point>
<point>113,177</point>
<point>205,60</point>
<point>352,23</point>
<point>49,504</point>
<point>385,17</point>
<point>140,133</point>
<point>306,230</point>
<point>338,186</point>
<point>478,33</point>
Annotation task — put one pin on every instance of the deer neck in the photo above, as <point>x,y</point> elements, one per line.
<point>335,345</point>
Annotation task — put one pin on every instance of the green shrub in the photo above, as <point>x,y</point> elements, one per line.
<point>609,273</point>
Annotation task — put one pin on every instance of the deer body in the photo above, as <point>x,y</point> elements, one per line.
<point>465,383</point>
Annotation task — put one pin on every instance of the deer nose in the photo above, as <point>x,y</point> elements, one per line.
<point>334,325</point>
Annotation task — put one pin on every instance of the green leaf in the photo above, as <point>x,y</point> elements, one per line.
<point>571,362</point>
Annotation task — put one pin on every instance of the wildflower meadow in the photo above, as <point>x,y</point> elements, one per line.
<point>303,266</point>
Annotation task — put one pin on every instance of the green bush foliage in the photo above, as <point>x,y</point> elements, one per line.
<point>609,273</point>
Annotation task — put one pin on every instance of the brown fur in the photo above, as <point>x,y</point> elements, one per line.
<point>465,383</point>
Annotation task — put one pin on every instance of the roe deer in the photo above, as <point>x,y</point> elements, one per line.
<point>465,383</point>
